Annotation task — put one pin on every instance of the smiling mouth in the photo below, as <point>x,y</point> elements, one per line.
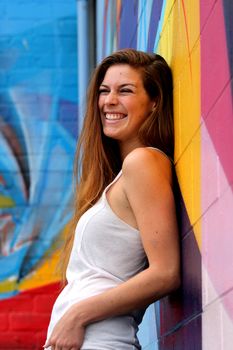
<point>114,116</point>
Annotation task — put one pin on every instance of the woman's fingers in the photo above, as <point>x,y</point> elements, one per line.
<point>60,345</point>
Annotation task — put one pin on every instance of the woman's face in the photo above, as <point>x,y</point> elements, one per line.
<point>123,103</point>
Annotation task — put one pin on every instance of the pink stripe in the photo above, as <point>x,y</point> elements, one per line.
<point>217,146</point>
<point>215,83</point>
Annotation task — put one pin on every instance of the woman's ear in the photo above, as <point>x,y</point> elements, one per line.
<point>154,106</point>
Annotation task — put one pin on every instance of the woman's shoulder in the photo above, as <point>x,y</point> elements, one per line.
<point>146,162</point>
<point>145,170</point>
<point>142,156</point>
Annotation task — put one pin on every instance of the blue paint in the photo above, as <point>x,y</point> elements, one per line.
<point>10,269</point>
<point>147,334</point>
<point>128,28</point>
<point>99,29</point>
<point>144,12</point>
<point>154,21</point>
<point>160,25</point>
<point>83,49</point>
<point>38,130</point>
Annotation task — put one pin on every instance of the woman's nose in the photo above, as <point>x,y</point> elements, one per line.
<point>111,98</point>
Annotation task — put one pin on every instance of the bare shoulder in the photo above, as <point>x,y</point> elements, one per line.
<point>147,163</point>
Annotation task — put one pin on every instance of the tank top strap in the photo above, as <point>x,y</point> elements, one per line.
<point>157,149</point>
<point>120,172</point>
<point>111,183</point>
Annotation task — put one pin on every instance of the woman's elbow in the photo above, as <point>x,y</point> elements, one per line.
<point>172,280</point>
<point>175,281</point>
<point>166,280</point>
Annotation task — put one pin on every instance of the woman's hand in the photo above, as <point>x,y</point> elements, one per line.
<point>68,334</point>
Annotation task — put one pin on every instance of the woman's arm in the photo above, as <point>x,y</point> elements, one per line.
<point>147,182</point>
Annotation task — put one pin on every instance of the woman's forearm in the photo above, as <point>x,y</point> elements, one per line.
<point>138,292</point>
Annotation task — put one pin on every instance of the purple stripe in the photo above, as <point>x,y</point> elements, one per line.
<point>128,24</point>
<point>228,15</point>
<point>154,22</point>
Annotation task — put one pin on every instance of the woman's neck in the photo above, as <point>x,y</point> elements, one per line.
<point>127,147</point>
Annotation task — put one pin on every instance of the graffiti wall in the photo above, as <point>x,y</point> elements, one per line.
<point>38,130</point>
<point>195,38</point>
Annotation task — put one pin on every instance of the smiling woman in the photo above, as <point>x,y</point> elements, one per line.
<point>123,251</point>
<point>124,105</point>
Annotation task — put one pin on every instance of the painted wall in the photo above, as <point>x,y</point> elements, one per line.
<point>195,38</point>
<point>38,130</point>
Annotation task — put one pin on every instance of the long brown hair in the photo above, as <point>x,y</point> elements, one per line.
<point>97,159</point>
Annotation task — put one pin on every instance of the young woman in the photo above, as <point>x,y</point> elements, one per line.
<point>124,251</point>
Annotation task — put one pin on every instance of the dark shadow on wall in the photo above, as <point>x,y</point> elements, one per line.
<point>180,313</point>
<point>228,13</point>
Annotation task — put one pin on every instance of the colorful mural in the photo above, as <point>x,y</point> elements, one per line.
<point>195,38</point>
<point>38,130</point>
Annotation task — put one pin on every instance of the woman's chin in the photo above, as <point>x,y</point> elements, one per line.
<point>112,134</point>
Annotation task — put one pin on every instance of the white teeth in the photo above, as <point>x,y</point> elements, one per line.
<point>114,116</point>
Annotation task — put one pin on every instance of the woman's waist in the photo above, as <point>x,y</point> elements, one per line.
<point>88,268</point>
<point>80,289</point>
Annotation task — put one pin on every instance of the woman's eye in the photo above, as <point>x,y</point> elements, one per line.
<point>103,91</point>
<point>126,90</point>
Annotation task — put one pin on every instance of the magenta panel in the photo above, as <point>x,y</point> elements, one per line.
<point>206,9</point>
<point>220,128</point>
<point>215,71</point>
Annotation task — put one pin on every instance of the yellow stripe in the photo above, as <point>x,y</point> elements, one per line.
<point>6,202</point>
<point>8,286</point>
<point>180,45</point>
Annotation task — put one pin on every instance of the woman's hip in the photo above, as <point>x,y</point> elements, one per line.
<point>114,333</point>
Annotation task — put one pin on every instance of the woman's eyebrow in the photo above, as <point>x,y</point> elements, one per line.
<point>121,85</point>
<point>127,84</point>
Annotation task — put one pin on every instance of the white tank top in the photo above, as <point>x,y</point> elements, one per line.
<point>106,252</point>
